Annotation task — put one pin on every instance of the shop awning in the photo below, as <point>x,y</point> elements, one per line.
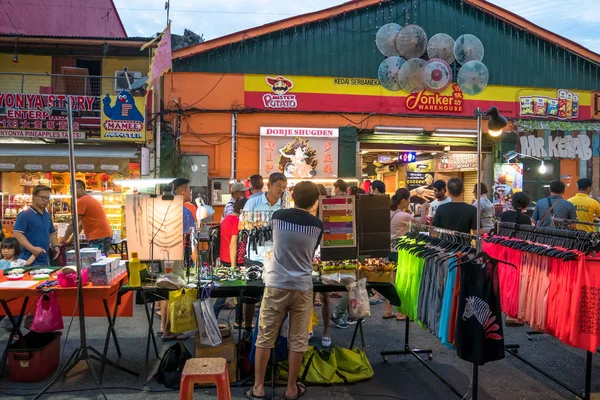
<point>55,158</point>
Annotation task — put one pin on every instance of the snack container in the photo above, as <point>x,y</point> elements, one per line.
<point>526,105</point>
<point>552,108</point>
<point>569,104</point>
<point>575,112</point>
<point>540,106</point>
<point>562,103</point>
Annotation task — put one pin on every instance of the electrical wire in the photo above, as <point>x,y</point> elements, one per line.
<point>209,92</point>
<point>81,390</point>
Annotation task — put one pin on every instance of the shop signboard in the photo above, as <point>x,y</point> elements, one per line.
<point>123,118</point>
<point>420,166</point>
<point>456,162</point>
<point>508,180</point>
<point>366,95</point>
<point>299,152</point>
<point>29,115</point>
<point>415,180</point>
<point>556,145</point>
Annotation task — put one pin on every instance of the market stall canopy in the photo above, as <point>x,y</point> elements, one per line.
<point>55,158</point>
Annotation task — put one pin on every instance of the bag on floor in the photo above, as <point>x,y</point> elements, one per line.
<point>359,299</point>
<point>181,310</point>
<point>206,320</point>
<point>47,316</point>
<point>338,366</point>
<point>171,365</point>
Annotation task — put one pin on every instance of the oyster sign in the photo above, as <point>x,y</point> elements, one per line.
<point>567,146</point>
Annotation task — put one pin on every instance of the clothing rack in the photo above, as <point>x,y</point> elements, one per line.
<point>513,349</point>
<point>566,238</point>
<point>562,223</point>
<point>456,237</point>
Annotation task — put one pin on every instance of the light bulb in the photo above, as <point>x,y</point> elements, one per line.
<point>543,169</point>
<point>495,133</point>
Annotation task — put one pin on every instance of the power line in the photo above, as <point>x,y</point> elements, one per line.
<point>156,10</point>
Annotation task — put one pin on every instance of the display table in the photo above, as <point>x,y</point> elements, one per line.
<point>100,301</point>
<point>150,294</point>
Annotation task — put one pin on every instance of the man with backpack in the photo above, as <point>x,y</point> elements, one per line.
<point>554,205</point>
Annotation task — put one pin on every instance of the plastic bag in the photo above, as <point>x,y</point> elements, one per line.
<point>47,316</point>
<point>181,310</point>
<point>339,279</point>
<point>359,299</point>
<point>206,320</point>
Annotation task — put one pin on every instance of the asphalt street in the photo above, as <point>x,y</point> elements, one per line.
<point>402,377</point>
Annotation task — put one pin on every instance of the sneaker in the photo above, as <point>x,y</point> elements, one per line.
<point>339,323</point>
<point>326,341</point>
<point>352,321</point>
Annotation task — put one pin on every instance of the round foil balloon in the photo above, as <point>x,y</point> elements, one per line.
<point>410,76</point>
<point>388,73</point>
<point>411,42</point>
<point>385,39</point>
<point>437,74</point>
<point>468,48</point>
<point>441,46</point>
<point>473,77</point>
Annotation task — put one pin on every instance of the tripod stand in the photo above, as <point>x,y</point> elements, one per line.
<point>82,353</point>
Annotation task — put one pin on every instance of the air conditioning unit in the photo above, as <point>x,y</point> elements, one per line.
<point>121,79</point>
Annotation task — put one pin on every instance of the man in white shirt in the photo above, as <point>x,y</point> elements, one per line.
<point>429,209</point>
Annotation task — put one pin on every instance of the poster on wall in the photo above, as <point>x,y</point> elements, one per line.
<point>508,180</point>
<point>456,162</point>
<point>299,152</point>
<point>419,185</point>
<point>564,105</point>
<point>123,118</point>
<point>339,223</point>
<point>420,166</point>
<point>25,115</point>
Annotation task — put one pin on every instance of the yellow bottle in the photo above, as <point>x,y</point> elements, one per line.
<point>134,270</point>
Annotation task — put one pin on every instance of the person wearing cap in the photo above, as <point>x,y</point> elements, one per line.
<point>237,190</point>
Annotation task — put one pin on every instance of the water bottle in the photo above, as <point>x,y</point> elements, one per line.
<point>134,270</point>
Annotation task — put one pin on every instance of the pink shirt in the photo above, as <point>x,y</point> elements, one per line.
<point>400,223</point>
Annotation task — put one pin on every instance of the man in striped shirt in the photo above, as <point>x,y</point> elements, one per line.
<point>288,287</point>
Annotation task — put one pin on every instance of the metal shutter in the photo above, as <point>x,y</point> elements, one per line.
<point>470,180</point>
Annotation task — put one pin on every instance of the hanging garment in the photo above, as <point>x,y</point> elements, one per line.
<point>585,307</point>
<point>479,335</point>
<point>447,305</point>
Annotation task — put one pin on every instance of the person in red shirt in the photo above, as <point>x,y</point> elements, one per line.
<point>92,219</point>
<point>228,248</point>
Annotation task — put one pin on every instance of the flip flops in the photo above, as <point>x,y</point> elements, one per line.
<point>249,394</point>
<point>301,392</point>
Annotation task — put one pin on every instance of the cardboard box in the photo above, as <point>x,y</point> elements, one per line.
<point>226,350</point>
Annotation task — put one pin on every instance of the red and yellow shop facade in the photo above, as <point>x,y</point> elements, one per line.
<point>373,126</point>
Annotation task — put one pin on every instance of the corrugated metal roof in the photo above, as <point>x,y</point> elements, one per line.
<point>344,46</point>
<point>61,18</point>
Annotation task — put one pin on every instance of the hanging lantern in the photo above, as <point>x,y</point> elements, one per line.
<point>104,177</point>
<point>48,175</point>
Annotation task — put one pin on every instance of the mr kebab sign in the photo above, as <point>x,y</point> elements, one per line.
<point>557,146</point>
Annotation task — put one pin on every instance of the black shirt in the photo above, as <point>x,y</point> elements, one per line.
<point>514,217</point>
<point>456,216</point>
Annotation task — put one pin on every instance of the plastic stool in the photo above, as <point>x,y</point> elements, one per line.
<point>205,370</point>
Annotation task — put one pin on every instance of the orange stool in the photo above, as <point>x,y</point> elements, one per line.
<point>205,370</point>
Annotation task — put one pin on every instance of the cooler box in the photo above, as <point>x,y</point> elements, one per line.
<point>33,357</point>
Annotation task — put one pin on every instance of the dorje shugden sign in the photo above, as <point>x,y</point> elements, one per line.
<point>299,152</point>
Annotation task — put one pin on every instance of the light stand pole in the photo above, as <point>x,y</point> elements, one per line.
<point>82,352</point>
<point>495,125</point>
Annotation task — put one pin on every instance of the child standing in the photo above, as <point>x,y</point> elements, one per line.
<point>10,250</point>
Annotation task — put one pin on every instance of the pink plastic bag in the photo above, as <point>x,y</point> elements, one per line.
<point>47,316</point>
